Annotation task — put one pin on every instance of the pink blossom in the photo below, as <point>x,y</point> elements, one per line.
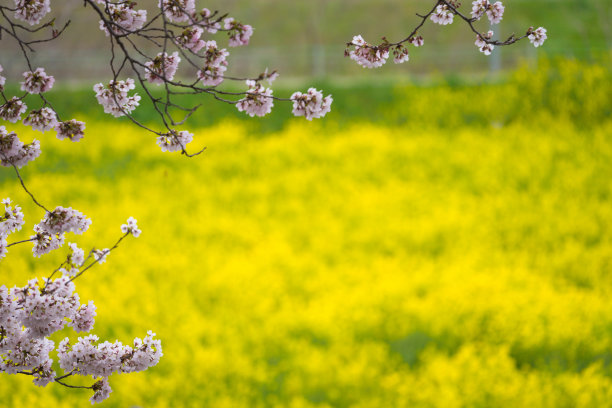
<point>2,79</point>
<point>114,97</point>
<point>239,34</point>
<point>131,227</point>
<point>41,119</point>
<point>14,152</point>
<point>37,82</point>
<point>71,129</point>
<point>417,41</point>
<point>495,12</point>
<point>102,390</point>
<point>12,218</point>
<point>367,55</point>
<point>211,74</point>
<point>62,220</point>
<point>177,10</point>
<point>311,104</point>
<point>538,36</point>
<point>123,18</point>
<point>31,11</point>
<point>443,15</point>
<point>162,68</point>
<point>208,23</point>
<point>400,55</point>
<point>485,47</point>
<point>479,7</point>
<point>258,100</point>
<point>171,142</point>
<point>190,39</point>
<point>12,110</point>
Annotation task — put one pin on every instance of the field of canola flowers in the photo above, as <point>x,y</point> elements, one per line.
<point>425,260</point>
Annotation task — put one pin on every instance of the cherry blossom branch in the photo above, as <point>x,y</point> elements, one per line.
<point>443,13</point>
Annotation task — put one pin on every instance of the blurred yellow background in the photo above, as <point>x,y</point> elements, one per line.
<point>457,252</point>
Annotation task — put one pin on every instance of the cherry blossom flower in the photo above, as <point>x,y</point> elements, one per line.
<point>31,11</point>
<point>37,82</point>
<point>45,242</point>
<point>100,255</point>
<point>417,41</point>
<point>367,55</point>
<point>173,141</point>
<point>11,220</point>
<point>14,152</point>
<point>311,104</point>
<point>62,220</point>
<point>239,34</point>
<point>162,67</point>
<point>190,39</point>
<point>209,25</point>
<point>443,15</point>
<point>2,79</point>
<point>479,7</point>
<point>13,109</point>
<point>400,54</point>
<point>258,100</point>
<point>495,12</point>
<point>482,45</point>
<point>102,390</point>
<point>83,320</point>
<point>538,36</point>
<point>71,129</point>
<point>177,11</point>
<point>41,119</point>
<point>131,227</point>
<point>114,97</point>
<point>211,74</point>
<point>3,247</point>
<point>124,19</point>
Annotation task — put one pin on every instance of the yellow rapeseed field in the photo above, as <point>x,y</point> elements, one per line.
<point>333,265</point>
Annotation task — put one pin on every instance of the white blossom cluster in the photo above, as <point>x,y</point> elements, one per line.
<point>42,119</point>
<point>104,359</point>
<point>443,15</point>
<point>178,11</point>
<point>30,314</point>
<point>2,79</point>
<point>131,227</point>
<point>400,54</point>
<point>114,97</point>
<point>173,141</point>
<point>239,34</point>
<point>482,45</point>
<point>12,109</point>
<point>190,39</point>
<point>538,36</point>
<point>367,55</point>
<point>312,104</point>
<point>258,100</point>
<point>49,233</point>
<point>215,65</point>
<point>37,81</point>
<point>11,220</point>
<point>31,11</point>
<point>495,11</point>
<point>14,152</point>
<point>71,129</point>
<point>162,68</point>
<point>124,18</point>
